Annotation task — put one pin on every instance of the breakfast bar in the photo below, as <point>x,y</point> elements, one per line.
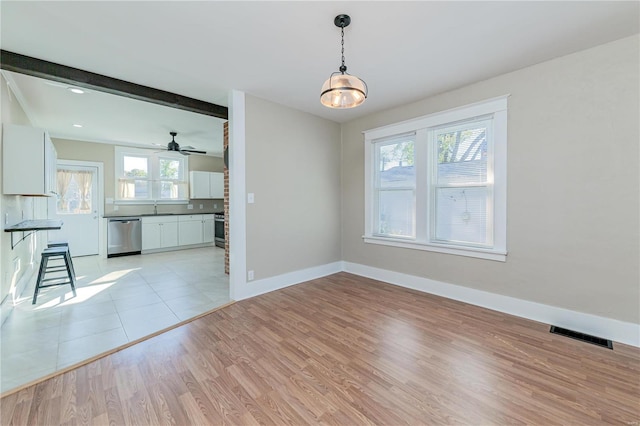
<point>31,226</point>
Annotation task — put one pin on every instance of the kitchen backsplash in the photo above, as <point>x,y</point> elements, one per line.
<point>208,206</point>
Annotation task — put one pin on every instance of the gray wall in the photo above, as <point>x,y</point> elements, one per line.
<point>293,168</point>
<point>573,186</point>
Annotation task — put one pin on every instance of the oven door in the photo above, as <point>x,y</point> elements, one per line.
<point>219,231</point>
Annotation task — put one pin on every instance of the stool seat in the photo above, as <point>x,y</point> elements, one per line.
<point>55,253</point>
<point>59,243</point>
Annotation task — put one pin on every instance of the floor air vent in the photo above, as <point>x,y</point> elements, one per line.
<point>581,336</point>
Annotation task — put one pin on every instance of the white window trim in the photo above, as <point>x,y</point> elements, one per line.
<point>497,107</point>
<point>123,150</point>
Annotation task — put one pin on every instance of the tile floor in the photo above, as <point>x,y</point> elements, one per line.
<point>118,300</point>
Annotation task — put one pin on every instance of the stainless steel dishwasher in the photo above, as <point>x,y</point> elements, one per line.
<point>124,236</point>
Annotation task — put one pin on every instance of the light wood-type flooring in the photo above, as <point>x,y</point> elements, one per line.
<point>345,350</point>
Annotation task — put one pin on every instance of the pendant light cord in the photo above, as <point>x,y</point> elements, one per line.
<point>343,68</point>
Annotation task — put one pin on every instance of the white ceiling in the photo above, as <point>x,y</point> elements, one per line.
<point>283,51</point>
<point>107,118</point>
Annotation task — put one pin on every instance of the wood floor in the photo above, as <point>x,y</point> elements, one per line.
<point>345,350</point>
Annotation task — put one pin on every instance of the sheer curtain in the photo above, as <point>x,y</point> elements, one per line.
<point>63,180</point>
<point>84,180</point>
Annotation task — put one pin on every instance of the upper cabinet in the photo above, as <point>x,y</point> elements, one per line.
<point>28,161</point>
<point>206,185</point>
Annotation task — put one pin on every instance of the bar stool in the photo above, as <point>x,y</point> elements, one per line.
<point>55,253</point>
<point>62,243</point>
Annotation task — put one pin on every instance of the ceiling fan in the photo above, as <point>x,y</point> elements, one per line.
<point>187,150</point>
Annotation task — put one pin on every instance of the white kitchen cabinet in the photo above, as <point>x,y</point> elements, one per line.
<point>216,185</point>
<point>190,229</point>
<point>28,161</point>
<point>208,228</point>
<point>198,185</point>
<point>206,185</point>
<point>159,232</point>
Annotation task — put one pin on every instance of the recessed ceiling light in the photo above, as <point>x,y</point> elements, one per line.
<point>76,90</point>
<point>77,125</point>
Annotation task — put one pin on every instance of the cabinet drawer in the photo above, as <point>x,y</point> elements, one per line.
<point>189,218</point>
<point>159,219</point>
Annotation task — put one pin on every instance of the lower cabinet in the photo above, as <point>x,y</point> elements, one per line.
<point>159,232</point>
<point>208,228</point>
<point>190,229</point>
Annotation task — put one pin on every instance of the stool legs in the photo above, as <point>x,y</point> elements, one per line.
<point>70,271</point>
<point>63,244</point>
<point>56,253</point>
<point>41,271</point>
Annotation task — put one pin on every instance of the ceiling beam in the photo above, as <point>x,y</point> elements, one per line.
<point>34,67</point>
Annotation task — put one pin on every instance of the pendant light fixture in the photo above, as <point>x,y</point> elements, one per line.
<point>343,90</point>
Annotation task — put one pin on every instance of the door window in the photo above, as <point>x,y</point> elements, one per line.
<point>75,192</point>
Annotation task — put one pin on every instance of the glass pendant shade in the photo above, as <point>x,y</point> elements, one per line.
<point>343,91</point>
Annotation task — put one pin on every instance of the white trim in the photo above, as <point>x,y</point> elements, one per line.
<point>266,285</point>
<point>464,112</point>
<point>237,196</point>
<point>154,179</point>
<point>494,111</point>
<point>608,328</point>
<point>100,168</point>
<point>480,253</point>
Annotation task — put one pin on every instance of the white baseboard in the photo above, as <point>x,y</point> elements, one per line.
<point>258,287</point>
<point>175,248</point>
<point>608,328</point>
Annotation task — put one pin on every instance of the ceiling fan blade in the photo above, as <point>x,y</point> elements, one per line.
<point>184,152</point>
<point>194,151</point>
<point>188,147</point>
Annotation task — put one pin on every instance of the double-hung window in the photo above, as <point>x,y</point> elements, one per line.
<point>143,176</point>
<point>438,182</point>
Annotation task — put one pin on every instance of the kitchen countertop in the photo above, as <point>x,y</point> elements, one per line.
<point>109,216</point>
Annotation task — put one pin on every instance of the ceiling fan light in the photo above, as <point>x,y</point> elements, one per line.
<point>343,91</point>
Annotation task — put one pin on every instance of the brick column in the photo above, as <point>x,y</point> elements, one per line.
<point>226,203</point>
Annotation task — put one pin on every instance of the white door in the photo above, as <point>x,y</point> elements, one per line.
<point>77,207</point>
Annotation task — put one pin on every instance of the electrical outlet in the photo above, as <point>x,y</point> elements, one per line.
<point>251,198</point>
<point>6,218</point>
<point>215,206</point>
<point>250,275</point>
<point>189,206</point>
<point>201,206</point>
<point>116,208</point>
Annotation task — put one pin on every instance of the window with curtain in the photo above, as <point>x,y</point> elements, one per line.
<point>438,182</point>
<point>74,189</point>
<point>145,176</point>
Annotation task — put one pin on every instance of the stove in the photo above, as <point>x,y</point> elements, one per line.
<point>219,229</point>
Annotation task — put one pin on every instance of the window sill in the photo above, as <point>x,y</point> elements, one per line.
<point>500,256</point>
